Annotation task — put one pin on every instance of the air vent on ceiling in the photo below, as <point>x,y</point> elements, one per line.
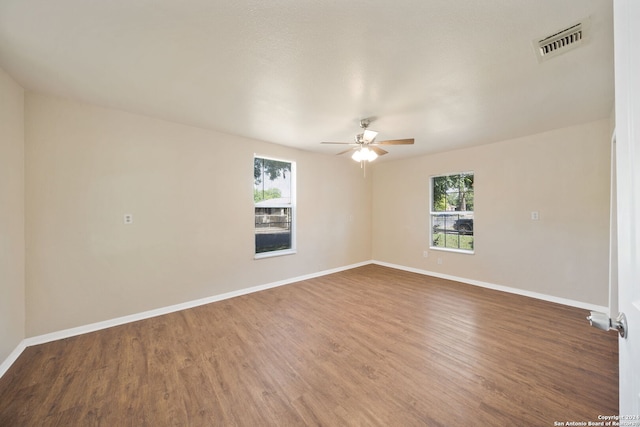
<point>561,41</point>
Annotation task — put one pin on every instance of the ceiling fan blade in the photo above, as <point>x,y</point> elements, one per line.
<point>346,151</point>
<point>395,142</point>
<point>347,143</point>
<point>369,135</point>
<point>379,151</point>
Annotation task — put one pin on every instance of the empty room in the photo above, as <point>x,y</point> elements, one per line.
<point>282,213</point>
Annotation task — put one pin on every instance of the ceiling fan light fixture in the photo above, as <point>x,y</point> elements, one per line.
<point>364,154</point>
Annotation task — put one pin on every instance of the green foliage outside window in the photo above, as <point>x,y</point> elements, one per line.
<point>272,168</point>
<point>270,193</point>
<point>453,192</point>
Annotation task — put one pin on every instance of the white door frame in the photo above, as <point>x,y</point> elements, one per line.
<point>627,91</point>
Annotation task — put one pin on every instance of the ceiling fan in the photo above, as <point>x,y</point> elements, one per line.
<point>365,147</point>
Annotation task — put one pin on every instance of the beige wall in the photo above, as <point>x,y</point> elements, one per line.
<point>190,193</point>
<point>12,255</point>
<point>563,174</point>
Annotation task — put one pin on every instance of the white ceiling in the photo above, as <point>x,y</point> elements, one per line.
<point>296,72</point>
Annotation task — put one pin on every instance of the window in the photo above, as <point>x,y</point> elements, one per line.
<point>274,203</point>
<point>452,212</point>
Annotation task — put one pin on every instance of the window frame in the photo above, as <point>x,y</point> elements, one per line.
<point>291,205</point>
<point>433,212</point>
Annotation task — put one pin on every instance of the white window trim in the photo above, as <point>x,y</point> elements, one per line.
<point>272,254</point>
<point>294,226</point>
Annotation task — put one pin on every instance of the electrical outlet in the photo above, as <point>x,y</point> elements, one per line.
<point>535,215</point>
<point>439,261</point>
<point>128,218</point>
<point>425,254</point>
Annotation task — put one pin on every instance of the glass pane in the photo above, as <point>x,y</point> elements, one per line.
<point>439,202</point>
<point>272,182</point>
<point>452,193</point>
<point>273,229</point>
<point>452,231</point>
<point>466,192</point>
<point>439,226</point>
<point>453,200</point>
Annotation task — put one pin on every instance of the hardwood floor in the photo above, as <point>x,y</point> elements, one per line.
<point>372,346</point>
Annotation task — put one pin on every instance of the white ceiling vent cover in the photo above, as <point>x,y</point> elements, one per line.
<point>562,41</point>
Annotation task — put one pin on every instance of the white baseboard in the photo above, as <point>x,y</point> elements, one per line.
<point>66,333</point>
<point>536,295</point>
<point>4,367</point>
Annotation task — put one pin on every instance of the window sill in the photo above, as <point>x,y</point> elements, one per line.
<point>458,251</point>
<point>275,254</point>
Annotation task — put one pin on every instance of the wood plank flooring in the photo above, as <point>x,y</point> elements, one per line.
<point>371,346</point>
